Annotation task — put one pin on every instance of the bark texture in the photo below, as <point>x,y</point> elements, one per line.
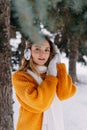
<point>73,56</point>
<point>6,101</point>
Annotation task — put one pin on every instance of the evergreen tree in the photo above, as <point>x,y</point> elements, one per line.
<point>72,19</point>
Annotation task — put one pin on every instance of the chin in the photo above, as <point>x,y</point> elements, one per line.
<point>41,64</point>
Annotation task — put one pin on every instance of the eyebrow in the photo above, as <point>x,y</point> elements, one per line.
<point>40,47</point>
<point>37,46</point>
<point>48,47</point>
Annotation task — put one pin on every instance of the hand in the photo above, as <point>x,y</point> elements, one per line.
<point>52,70</point>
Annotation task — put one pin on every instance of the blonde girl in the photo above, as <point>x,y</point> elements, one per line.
<point>40,84</point>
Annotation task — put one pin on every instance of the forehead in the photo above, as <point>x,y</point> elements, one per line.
<point>44,43</point>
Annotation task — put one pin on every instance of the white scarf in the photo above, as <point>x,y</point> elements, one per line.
<point>53,116</point>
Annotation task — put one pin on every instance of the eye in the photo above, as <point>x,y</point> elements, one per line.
<point>47,50</point>
<point>37,49</point>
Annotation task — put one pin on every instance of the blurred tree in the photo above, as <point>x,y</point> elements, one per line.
<point>72,20</point>
<point>6,101</point>
<point>17,52</point>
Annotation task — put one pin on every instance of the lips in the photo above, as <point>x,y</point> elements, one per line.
<point>42,59</point>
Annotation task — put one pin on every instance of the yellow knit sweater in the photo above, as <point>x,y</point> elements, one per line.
<point>35,99</point>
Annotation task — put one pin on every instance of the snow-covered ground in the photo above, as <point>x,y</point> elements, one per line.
<point>75,108</point>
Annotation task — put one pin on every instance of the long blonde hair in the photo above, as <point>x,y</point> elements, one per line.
<point>30,64</point>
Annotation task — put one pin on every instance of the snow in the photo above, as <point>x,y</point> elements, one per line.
<point>75,108</point>
<point>14,42</point>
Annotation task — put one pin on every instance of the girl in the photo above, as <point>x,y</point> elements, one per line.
<point>40,83</point>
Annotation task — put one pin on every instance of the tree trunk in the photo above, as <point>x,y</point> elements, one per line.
<point>6,110</point>
<point>73,55</point>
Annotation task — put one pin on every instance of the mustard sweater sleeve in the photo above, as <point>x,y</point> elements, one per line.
<point>34,97</point>
<point>65,88</point>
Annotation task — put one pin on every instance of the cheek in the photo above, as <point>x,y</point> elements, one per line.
<point>48,56</point>
<point>33,53</point>
<point>34,56</point>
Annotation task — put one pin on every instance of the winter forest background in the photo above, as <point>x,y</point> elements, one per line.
<point>65,22</point>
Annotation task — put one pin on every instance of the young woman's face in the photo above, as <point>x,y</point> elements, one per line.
<point>40,54</point>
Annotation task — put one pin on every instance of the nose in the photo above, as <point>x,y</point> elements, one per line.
<point>42,52</point>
